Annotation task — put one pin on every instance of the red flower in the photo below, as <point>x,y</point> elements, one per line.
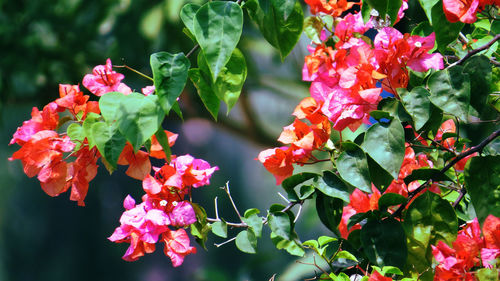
<point>331,7</point>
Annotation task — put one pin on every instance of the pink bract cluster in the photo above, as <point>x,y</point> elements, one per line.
<point>465,10</point>
<point>468,251</point>
<point>163,206</point>
<point>164,210</point>
<point>344,79</point>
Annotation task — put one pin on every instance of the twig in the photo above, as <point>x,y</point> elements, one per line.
<point>461,195</point>
<point>475,51</point>
<point>226,188</point>
<point>232,224</point>
<point>192,50</point>
<point>225,242</point>
<point>216,209</point>
<point>478,148</point>
<point>133,70</point>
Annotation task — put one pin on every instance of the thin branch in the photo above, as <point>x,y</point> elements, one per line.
<point>461,195</point>
<point>192,50</point>
<point>133,70</point>
<point>226,188</point>
<point>478,148</point>
<point>225,242</point>
<point>475,51</point>
<point>216,209</point>
<point>232,224</point>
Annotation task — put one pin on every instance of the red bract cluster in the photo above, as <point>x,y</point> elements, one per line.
<point>43,149</point>
<point>164,210</point>
<point>344,79</point>
<point>469,251</point>
<point>449,143</point>
<point>302,138</point>
<point>465,10</point>
<point>331,7</point>
<point>163,205</point>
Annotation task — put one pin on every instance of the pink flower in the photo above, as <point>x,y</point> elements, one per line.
<point>104,80</point>
<point>45,120</point>
<point>177,246</point>
<point>182,214</point>
<point>194,172</point>
<point>148,90</point>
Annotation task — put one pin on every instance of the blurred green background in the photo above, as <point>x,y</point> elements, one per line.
<point>47,42</point>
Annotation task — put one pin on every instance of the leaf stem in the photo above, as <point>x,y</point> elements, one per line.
<point>133,70</point>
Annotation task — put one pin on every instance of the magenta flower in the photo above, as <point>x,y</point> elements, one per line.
<point>104,80</point>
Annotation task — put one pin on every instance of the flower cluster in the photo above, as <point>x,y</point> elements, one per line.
<point>465,10</point>
<point>344,79</point>
<point>43,149</point>
<point>301,138</point>
<point>361,202</point>
<point>469,250</point>
<point>163,206</point>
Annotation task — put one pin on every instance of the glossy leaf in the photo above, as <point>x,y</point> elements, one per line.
<point>228,85</point>
<point>427,6</point>
<point>479,70</point>
<point>217,28</point>
<point>353,168</point>
<point>446,32</point>
<point>281,224</point>
<point>76,134</point>
<point>254,221</point>
<point>386,7</point>
<point>426,174</point>
<point>384,242</point>
<point>219,228</point>
<point>291,182</point>
<point>291,246</point>
<point>380,177</point>
<point>331,185</point>
<point>329,210</point>
<point>200,228</point>
<point>187,15</point>
<point>482,181</point>
<point>385,143</point>
<point>246,242</point>
<point>450,91</point>
<point>281,31</point>
<point>417,104</point>
<point>207,95</point>
<point>170,72</point>
<point>109,141</point>
<point>428,219</point>
<point>390,199</point>
<point>312,28</point>
<point>162,138</point>
<point>90,120</point>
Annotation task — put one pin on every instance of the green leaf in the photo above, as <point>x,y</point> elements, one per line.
<point>482,181</point>
<point>446,32</point>
<point>217,28</point>
<point>312,28</point>
<point>384,242</point>
<point>487,274</point>
<point>228,85</point>
<point>207,95</point>
<point>417,104</point>
<point>386,7</point>
<point>385,143</point>
<point>281,224</point>
<point>306,191</point>
<point>345,255</point>
<point>428,219</point>
<point>311,243</point>
<point>425,174</point>
<point>90,120</point>
<point>479,70</point>
<point>162,138</point>
<point>427,6</point>
<point>110,142</point>
<point>187,15</point>
<point>291,246</point>
<point>170,72</point>
<point>219,228</point>
<point>379,114</point>
<point>254,221</point>
<point>281,31</point>
<point>291,182</point>
<point>450,91</point>
<point>329,210</point>
<point>200,228</point>
<point>331,185</point>
<point>76,134</point>
<point>109,104</point>
<point>353,168</point>
<point>390,199</point>
<point>323,240</point>
<point>246,242</point>
<point>380,177</point>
